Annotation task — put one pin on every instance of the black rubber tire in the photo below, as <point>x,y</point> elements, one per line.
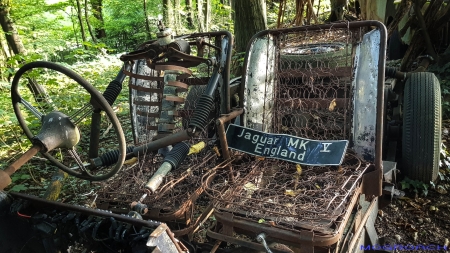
<point>422,121</point>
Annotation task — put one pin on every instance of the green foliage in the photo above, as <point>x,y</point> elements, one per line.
<point>125,23</point>
<point>99,72</point>
<point>415,185</point>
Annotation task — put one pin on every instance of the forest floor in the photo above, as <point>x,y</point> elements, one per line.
<point>422,216</point>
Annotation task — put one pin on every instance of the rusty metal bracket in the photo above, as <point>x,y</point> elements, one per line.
<point>220,122</point>
<point>372,182</point>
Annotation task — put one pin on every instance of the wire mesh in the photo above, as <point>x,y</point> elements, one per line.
<point>313,93</point>
<point>175,196</point>
<point>307,92</point>
<point>288,195</point>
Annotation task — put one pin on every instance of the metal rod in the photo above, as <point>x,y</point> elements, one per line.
<point>95,134</point>
<point>33,110</point>
<point>223,139</point>
<point>212,84</point>
<point>87,211</point>
<point>226,45</point>
<point>362,224</point>
<point>5,175</point>
<point>220,122</point>
<point>23,159</point>
<point>158,177</point>
<point>163,142</point>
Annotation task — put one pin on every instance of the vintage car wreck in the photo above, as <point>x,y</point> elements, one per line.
<point>297,152</point>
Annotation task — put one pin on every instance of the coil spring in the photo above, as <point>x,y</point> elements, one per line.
<point>204,106</point>
<point>170,98</point>
<point>176,156</point>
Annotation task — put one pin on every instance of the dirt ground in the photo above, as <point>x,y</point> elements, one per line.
<point>416,219</point>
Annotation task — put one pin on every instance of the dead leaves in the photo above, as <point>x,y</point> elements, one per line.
<point>297,177</point>
<point>405,225</point>
<point>332,105</point>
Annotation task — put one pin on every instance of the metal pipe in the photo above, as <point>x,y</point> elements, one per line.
<point>95,134</point>
<point>212,84</point>
<point>223,139</point>
<point>362,224</point>
<point>226,44</point>
<point>172,160</point>
<point>380,105</point>
<point>233,114</point>
<point>163,142</point>
<point>220,122</point>
<point>87,211</point>
<point>158,177</point>
<point>121,75</point>
<point>23,159</point>
<point>5,175</point>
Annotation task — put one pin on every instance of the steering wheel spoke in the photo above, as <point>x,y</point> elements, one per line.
<point>81,114</point>
<point>54,107</point>
<point>77,159</point>
<point>32,109</point>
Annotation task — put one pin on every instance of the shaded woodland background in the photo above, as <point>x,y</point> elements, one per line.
<point>78,30</point>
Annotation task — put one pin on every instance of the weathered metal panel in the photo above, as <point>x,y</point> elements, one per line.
<point>365,95</point>
<point>260,82</point>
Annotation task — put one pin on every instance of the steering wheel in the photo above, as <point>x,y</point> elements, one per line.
<point>56,113</point>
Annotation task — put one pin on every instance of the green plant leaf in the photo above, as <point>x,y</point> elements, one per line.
<point>18,188</point>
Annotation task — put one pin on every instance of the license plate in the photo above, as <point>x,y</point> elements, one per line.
<point>286,147</point>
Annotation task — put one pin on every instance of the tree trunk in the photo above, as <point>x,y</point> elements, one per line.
<point>147,25</point>
<point>97,6</point>
<point>168,13</point>
<point>281,11</point>
<point>201,20</point>
<point>15,43</point>
<point>189,19</point>
<point>87,21</point>
<point>249,19</point>
<point>299,7</point>
<point>5,48</point>
<point>73,26</point>
<point>4,55</point>
<point>177,17</point>
<point>12,37</point>
<point>80,20</point>
<point>208,15</point>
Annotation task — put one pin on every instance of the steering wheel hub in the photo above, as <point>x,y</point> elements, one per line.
<point>57,131</point>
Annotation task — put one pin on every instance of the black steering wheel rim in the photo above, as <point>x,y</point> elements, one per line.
<point>97,101</point>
